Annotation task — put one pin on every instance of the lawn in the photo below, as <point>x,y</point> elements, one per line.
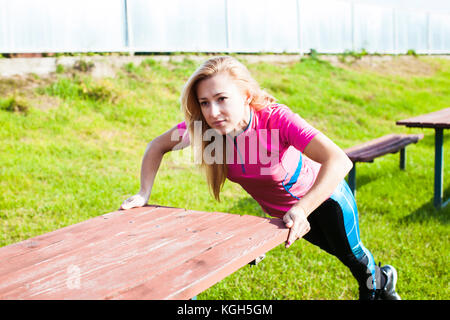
<point>72,147</point>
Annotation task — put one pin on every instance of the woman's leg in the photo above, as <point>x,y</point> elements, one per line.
<point>335,229</point>
<point>328,232</point>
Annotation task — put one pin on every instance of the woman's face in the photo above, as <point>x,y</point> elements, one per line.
<point>224,106</point>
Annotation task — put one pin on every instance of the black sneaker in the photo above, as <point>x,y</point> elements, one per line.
<point>388,292</point>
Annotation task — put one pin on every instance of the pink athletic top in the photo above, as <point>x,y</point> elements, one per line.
<point>266,158</point>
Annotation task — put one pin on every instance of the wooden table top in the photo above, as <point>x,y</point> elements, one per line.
<point>437,119</point>
<point>151,252</point>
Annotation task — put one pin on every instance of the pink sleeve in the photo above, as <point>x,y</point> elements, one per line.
<point>294,130</point>
<point>181,126</point>
<point>182,131</point>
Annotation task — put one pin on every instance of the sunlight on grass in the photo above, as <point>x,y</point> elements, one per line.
<point>81,158</point>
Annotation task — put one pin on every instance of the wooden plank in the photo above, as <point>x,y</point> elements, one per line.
<point>116,254</point>
<point>369,144</point>
<point>212,265</point>
<point>75,230</point>
<point>66,240</point>
<point>437,119</point>
<point>42,264</point>
<point>393,147</point>
<point>391,143</point>
<point>376,143</point>
<point>142,265</point>
<point>97,258</point>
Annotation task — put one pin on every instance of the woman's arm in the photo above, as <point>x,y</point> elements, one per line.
<point>335,165</point>
<point>155,151</point>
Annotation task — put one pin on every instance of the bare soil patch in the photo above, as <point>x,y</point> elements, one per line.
<point>404,66</point>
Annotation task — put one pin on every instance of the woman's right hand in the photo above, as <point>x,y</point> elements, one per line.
<point>135,201</point>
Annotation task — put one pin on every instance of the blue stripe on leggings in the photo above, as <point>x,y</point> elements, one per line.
<point>344,197</point>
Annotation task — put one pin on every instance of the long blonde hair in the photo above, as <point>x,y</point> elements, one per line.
<point>216,173</point>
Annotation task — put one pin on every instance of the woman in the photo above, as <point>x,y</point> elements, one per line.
<point>290,168</point>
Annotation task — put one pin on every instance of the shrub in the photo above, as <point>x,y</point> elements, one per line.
<point>353,55</point>
<point>15,104</point>
<point>130,67</point>
<point>85,89</point>
<point>83,66</point>
<point>103,91</point>
<point>411,52</point>
<point>59,68</point>
<point>313,55</point>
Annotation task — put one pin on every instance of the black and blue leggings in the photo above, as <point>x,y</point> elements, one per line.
<point>335,229</point>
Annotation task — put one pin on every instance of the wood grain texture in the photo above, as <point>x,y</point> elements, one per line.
<point>437,119</point>
<point>391,143</point>
<point>151,252</point>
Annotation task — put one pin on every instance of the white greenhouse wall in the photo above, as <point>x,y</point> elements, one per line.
<point>293,26</point>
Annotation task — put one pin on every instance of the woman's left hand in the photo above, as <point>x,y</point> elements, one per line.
<point>295,219</point>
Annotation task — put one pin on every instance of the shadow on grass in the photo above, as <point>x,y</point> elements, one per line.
<point>429,212</point>
<point>361,180</point>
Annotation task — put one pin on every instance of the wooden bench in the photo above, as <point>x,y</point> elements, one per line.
<point>367,152</point>
<point>151,252</point>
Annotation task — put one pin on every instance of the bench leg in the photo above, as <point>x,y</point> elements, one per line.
<point>352,179</point>
<point>402,158</point>
<point>438,167</point>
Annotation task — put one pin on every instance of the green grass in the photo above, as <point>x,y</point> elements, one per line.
<point>81,157</point>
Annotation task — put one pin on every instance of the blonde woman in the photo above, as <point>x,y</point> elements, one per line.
<point>290,168</point>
